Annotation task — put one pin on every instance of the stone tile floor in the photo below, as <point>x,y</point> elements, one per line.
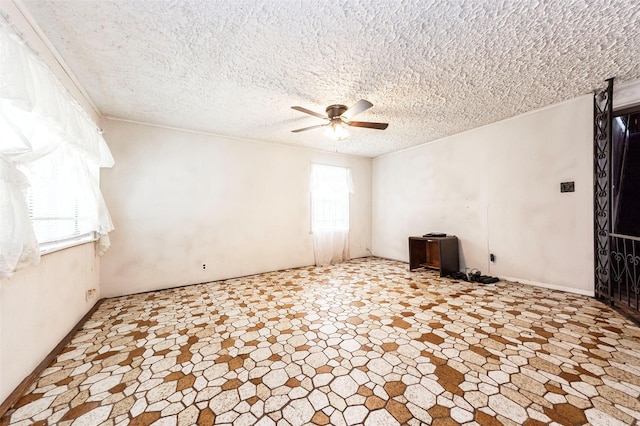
<point>364,342</point>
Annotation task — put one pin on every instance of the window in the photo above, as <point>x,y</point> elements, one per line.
<point>59,202</point>
<point>51,153</point>
<point>330,189</point>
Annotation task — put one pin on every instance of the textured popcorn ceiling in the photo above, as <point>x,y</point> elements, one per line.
<point>431,68</point>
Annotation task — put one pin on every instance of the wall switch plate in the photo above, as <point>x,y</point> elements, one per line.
<point>567,187</point>
<point>91,294</point>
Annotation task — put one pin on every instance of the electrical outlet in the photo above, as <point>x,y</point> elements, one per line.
<point>91,294</point>
<point>567,187</point>
<point>204,266</point>
<point>492,258</point>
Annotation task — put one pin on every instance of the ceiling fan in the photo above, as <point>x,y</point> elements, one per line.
<point>338,116</point>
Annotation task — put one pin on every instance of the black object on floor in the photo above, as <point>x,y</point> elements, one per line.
<point>474,276</point>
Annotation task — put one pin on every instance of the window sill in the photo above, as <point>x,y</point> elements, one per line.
<point>54,246</point>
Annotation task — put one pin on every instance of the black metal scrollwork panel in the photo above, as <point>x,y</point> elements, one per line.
<point>602,118</point>
<point>625,271</point>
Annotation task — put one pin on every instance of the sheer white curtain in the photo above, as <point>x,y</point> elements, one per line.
<point>41,127</point>
<point>331,187</point>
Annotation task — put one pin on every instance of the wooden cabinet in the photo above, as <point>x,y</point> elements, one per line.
<point>439,253</point>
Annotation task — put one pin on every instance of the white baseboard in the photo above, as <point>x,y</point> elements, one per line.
<point>550,286</point>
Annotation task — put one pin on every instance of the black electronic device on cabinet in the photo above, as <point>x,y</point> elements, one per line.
<point>435,234</point>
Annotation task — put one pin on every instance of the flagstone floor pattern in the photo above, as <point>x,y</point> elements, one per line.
<point>365,342</point>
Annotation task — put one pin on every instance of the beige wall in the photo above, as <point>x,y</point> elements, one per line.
<point>39,305</point>
<point>498,189</point>
<point>181,199</point>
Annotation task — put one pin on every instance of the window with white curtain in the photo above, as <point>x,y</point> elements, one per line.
<point>51,153</point>
<point>331,188</point>
<point>330,198</point>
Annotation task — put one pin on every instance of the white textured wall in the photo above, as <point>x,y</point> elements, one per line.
<point>39,306</point>
<point>498,189</point>
<point>180,199</point>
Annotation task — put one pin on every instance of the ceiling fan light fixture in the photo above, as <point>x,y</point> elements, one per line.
<point>336,130</point>
<point>339,117</point>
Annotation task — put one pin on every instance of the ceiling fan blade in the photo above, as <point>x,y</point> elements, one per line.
<point>306,111</point>
<point>368,124</point>
<point>360,106</point>
<point>309,128</point>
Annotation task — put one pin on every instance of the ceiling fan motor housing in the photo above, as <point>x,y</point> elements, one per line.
<point>335,111</point>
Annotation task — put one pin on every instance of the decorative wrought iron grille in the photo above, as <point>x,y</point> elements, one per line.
<point>602,121</point>
<point>617,256</point>
<point>625,271</point>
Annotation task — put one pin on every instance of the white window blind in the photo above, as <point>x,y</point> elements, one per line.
<point>59,205</point>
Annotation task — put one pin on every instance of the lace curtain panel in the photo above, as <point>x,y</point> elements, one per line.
<point>331,247</point>
<point>41,125</point>
<point>330,191</point>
